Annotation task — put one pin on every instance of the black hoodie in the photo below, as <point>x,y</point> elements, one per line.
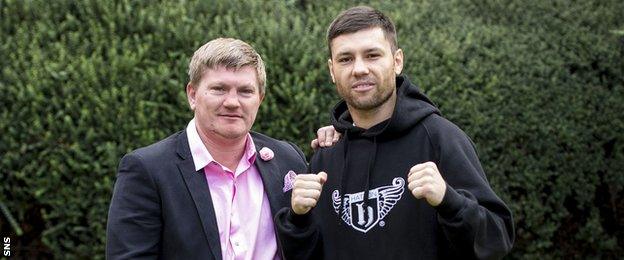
<point>471,222</point>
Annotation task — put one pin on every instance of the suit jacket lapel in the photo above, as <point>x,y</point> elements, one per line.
<point>271,179</point>
<point>196,184</point>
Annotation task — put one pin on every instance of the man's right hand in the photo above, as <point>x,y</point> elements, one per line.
<point>306,192</point>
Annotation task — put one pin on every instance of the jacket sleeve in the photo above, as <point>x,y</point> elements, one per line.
<point>134,224</point>
<point>299,237</point>
<point>473,218</point>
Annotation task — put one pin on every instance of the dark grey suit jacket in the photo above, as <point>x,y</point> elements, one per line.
<point>162,208</point>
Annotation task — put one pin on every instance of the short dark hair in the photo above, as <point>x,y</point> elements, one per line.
<point>359,18</point>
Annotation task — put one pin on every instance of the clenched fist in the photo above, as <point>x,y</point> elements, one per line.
<point>424,181</point>
<point>306,192</point>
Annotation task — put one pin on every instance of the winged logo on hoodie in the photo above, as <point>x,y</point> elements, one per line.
<point>364,215</point>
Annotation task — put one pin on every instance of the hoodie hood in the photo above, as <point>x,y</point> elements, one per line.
<point>411,107</point>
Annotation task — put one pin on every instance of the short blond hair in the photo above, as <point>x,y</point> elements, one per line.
<point>230,53</point>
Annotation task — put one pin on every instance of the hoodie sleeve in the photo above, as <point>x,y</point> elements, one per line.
<point>299,237</point>
<point>473,218</point>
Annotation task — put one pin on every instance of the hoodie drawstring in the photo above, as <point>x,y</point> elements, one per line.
<point>343,181</point>
<point>371,165</point>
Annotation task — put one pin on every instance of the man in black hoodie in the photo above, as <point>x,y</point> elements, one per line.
<point>403,182</point>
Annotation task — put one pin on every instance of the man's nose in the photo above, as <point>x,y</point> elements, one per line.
<point>360,67</point>
<point>231,100</point>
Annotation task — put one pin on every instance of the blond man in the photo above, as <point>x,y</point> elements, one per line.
<point>210,190</point>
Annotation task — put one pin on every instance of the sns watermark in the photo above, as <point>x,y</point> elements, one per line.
<point>7,246</point>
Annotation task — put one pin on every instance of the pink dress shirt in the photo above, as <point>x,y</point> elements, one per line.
<point>241,207</point>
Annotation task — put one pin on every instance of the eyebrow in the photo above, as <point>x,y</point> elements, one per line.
<point>349,52</point>
<point>224,84</point>
<point>374,49</point>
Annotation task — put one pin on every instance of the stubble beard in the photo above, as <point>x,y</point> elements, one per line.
<point>378,98</point>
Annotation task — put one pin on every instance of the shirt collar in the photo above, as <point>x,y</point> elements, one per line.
<point>200,154</point>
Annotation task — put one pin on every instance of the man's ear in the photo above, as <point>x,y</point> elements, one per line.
<point>398,61</point>
<point>190,95</point>
<point>331,73</point>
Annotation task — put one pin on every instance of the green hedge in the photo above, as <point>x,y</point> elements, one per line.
<point>538,85</point>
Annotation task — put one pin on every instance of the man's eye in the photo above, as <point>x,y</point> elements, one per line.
<point>344,60</point>
<point>374,55</point>
<point>218,89</point>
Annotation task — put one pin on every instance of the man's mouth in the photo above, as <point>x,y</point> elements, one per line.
<point>231,116</point>
<point>363,86</point>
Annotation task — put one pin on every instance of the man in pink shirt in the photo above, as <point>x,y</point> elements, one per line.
<point>209,191</point>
